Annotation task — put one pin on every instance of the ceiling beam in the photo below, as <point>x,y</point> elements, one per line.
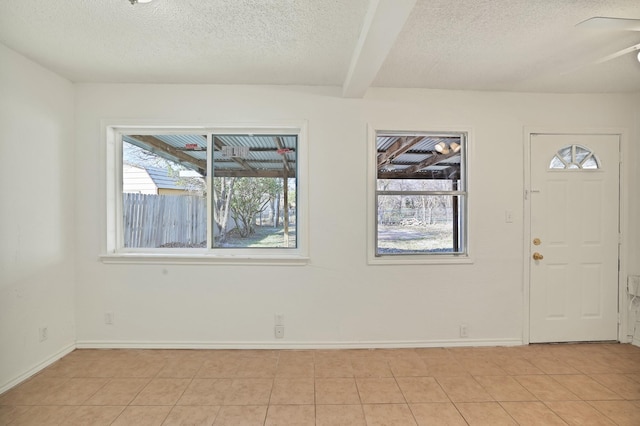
<point>382,24</point>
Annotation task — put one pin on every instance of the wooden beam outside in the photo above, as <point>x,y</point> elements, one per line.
<point>434,159</point>
<point>399,147</point>
<point>199,165</point>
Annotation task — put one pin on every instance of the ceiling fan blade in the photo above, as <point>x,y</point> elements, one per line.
<point>618,54</point>
<point>605,23</point>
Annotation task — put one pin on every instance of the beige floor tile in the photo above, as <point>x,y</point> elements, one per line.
<point>438,367</point>
<point>295,368</point>
<point>545,388</point>
<point>532,414</point>
<point>219,368</point>
<point>339,415</point>
<point>142,416</point>
<point>364,367</point>
<point>249,392</point>
<point>192,416</point>
<point>43,415</point>
<point>518,366</point>
<point>621,384</point>
<point>118,391</point>
<point>180,368</point>
<point>634,376</point>
<point>388,415</point>
<point>33,391</point>
<point>335,367</point>
<point>74,391</point>
<point>463,389</point>
<point>294,415</point>
<point>245,415</point>
<point>478,365</point>
<point>9,413</point>
<point>585,387</point>
<point>102,367</point>
<point>505,388</point>
<point>331,355</point>
<point>337,391</point>
<point>421,389</point>
<point>437,414</point>
<point>292,391</point>
<point>257,368</point>
<point>93,415</point>
<point>484,413</point>
<point>161,392</point>
<point>433,353</point>
<point>379,391</point>
<point>623,413</point>
<point>139,368</point>
<point>65,367</point>
<point>578,413</point>
<point>205,392</point>
<point>551,365</point>
<point>408,367</point>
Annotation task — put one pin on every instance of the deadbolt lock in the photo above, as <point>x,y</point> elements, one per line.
<point>537,256</point>
<point>536,241</point>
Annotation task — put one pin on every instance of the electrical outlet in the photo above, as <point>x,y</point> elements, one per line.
<point>279,331</point>
<point>108,318</point>
<point>43,332</point>
<point>464,330</point>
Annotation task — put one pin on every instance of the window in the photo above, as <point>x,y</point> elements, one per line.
<point>574,157</point>
<point>420,195</point>
<point>206,193</point>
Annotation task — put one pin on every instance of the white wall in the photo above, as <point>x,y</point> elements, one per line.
<point>336,298</point>
<point>36,216</point>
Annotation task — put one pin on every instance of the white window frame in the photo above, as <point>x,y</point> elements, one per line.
<point>372,175</point>
<point>113,248</point>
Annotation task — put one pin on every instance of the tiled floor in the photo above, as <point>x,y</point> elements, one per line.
<point>583,384</point>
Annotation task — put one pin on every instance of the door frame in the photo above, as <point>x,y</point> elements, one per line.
<point>623,221</point>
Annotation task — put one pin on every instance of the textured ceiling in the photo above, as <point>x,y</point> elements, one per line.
<point>513,45</point>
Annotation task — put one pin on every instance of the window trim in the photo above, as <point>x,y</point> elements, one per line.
<point>413,259</point>
<point>112,248</point>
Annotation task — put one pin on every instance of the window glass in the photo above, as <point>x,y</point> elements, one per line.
<point>574,157</point>
<point>420,194</point>
<point>254,190</point>
<point>164,202</point>
<point>209,191</point>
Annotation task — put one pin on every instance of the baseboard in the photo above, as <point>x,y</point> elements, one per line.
<point>120,344</point>
<point>635,342</point>
<point>37,368</point>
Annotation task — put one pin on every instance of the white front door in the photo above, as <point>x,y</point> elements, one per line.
<point>574,237</point>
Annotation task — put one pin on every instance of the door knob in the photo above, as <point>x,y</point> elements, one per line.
<point>537,256</point>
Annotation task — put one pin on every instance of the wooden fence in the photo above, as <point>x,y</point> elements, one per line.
<point>164,220</point>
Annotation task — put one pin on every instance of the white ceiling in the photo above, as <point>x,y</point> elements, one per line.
<point>511,45</point>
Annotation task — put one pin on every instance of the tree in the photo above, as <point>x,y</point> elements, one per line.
<point>250,197</point>
<point>222,194</point>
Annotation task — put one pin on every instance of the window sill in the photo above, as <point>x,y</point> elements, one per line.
<point>201,259</point>
<point>420,260</point>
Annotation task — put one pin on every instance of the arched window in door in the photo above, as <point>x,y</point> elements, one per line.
<point>575,157</point>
